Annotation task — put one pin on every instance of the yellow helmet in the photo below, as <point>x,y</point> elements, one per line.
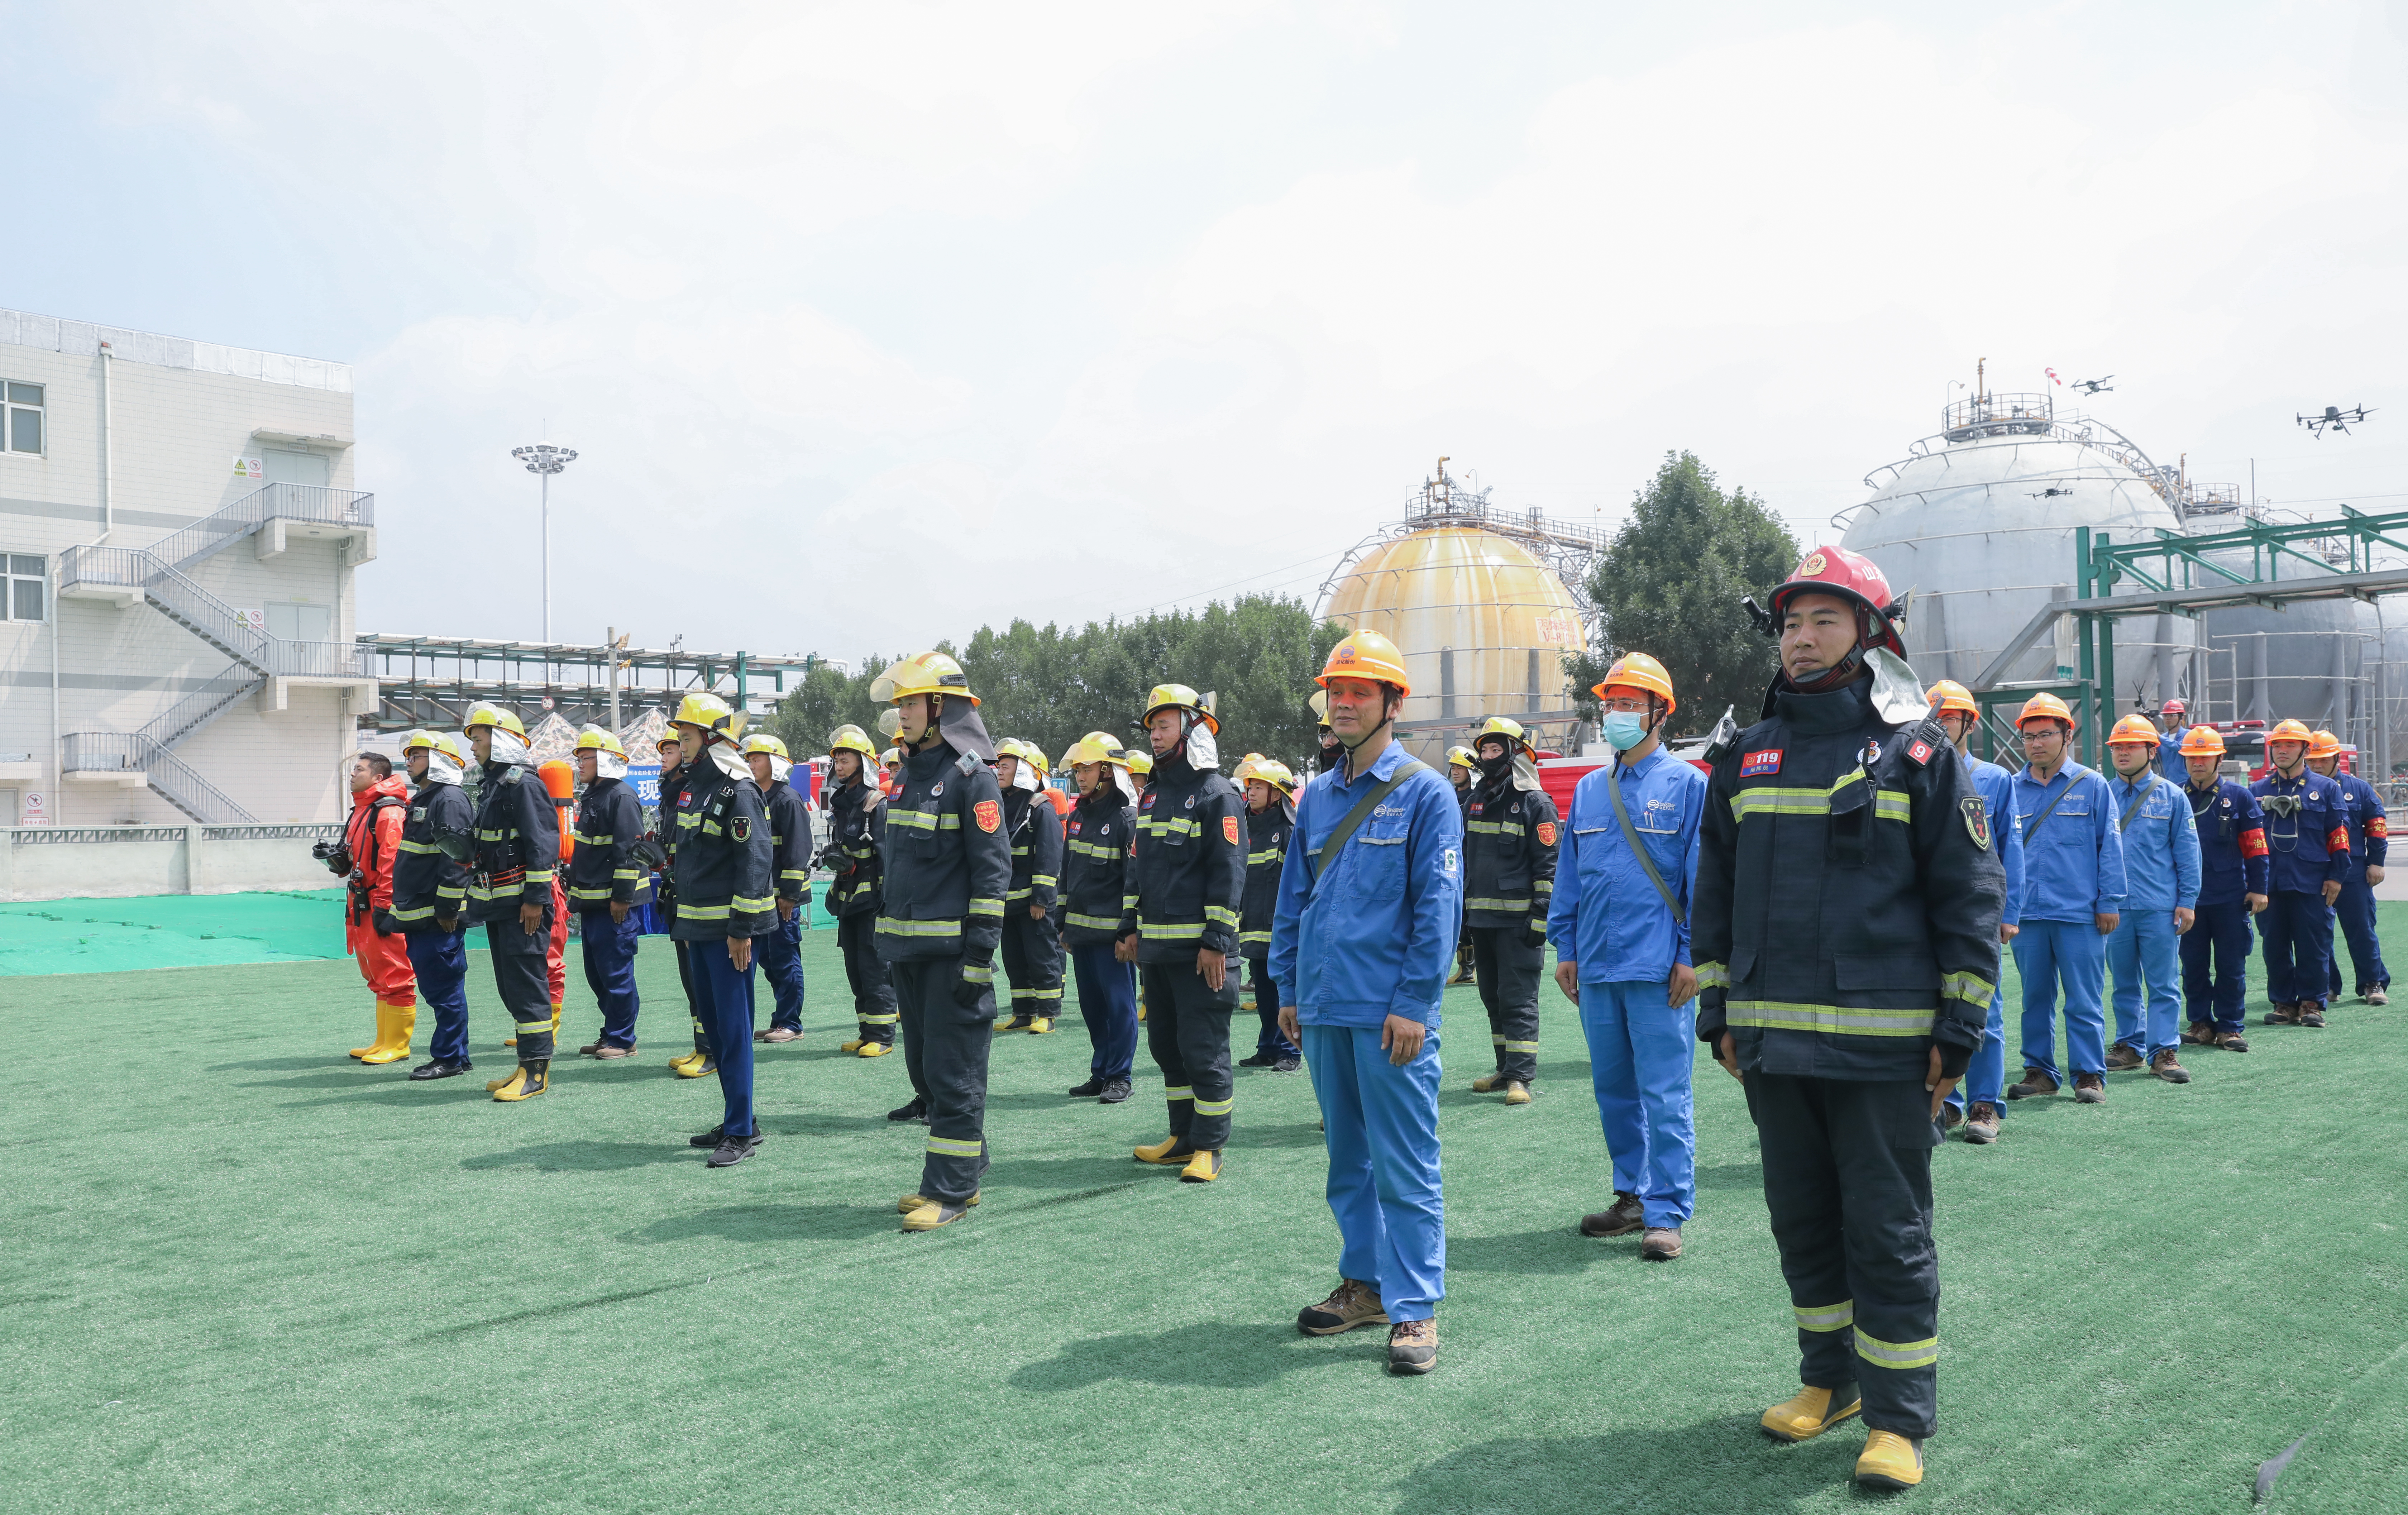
<point>1320,703</point>
<point>1137,762</point>
<point>921,673</point>
<point>668,737</point>
<point>761,742</point>
<point>714,716</point>
<point>1095,747</point>
<point>1496,726</point>
<point>1274,774</point>
<point>851,740</point>
<point>890,721</point>
<point>1181,697</point>
<point>486,713</point>
<point>432,741</point>
<point>1245,768</point>
<point>890,758</point>
<point>1013,747</point>
<point>595,739</point>
<point>1461,757</point>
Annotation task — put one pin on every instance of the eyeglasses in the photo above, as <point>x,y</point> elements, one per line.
<point>1628,706</point>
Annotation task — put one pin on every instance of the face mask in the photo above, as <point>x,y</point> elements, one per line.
<point>1497,766</point>
<point>1624,730</point>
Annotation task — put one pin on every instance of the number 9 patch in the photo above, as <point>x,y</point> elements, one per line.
<point>1229,829</point>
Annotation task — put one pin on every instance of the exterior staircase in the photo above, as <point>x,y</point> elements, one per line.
<point>158,576</point>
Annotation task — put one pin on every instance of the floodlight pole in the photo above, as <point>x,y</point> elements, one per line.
<point>543,460</point>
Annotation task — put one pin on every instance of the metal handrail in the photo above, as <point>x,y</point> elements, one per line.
<point>128,751</point>
<point>135,567</point>
<point>273,502</point>
<point>188,716</point>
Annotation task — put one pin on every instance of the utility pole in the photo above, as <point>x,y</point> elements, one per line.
<point>610,635</point>
<point>543,460</point>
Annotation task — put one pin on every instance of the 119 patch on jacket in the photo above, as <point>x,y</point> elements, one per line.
<point>1756,764</point>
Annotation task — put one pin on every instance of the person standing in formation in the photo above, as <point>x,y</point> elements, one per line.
<point>430,883</point>
<point>726,900</point>
<point>603,876</point>
<point>790,854</point>
<point>2307,839</point>
<point>1032,948</point>
<point>857,842</point>
<point>1270,792</point>
<point>2233,887</point>
<point>1981,1101</point>
<point>371,843</point>
<point>2074,899</point>
<point>2369,845</point>
<point>1509,882</point>
<point>510,889</point>
<point>2161,880</point>
<point>1095,868</point>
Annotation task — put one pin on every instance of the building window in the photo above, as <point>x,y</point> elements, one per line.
<point>22,588</point>
<point>24,418</point>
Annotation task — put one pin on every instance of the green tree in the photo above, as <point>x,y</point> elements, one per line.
<point>827,699</point>
<point>1671,584</point>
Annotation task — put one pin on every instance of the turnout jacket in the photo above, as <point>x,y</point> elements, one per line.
<point>2307,830</point>
<point>1509,842</point>
<point>724,856</point>
<point>1034,828</point>
<point>429,880</point>
<point>2370,825</point>
<point>665,883</point>
<point>2231,841</point>
<point>1095,858</point>
<point>856,831</point>
<point>1187,865</point>
<point>1848,894</point>
<point>790,840</point>
<point>603,870</point>
<point>1267,837</point>
<point>948,861</point>
<point>518,844</point>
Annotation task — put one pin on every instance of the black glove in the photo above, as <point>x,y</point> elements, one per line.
<point>384,927</point>
<point>1955,1060</point>
<point>976,982</point>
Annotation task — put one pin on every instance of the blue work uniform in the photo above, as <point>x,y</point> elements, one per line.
<point>2370,833</point>
<point>2073,870</point>
<point>2307,844</point>
<point>2170,760</point>
<point>1986,1077</point>
<point>2160,877</point>
<point>1608,917</point>
<point>2232,866</point>
<point>1357,938</point>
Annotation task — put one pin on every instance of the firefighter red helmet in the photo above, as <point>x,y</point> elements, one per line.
<point>1851,576</point>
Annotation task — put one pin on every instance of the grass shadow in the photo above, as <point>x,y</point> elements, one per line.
<point>280,1064</point>
<point>815,1124</point>
<point>1301,1133</point>
<point>399,1092</point>
<point>774,1223</point>
<point>1215,1354</point>
<point>1555,1250</point>
<point>1727,1463</point>
<point>581,1157</point>
<point>1067,1172</point>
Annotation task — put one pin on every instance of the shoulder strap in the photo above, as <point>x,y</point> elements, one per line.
<point>1345,831</point>
<point>2032,825</point>
<point>1638,848</point>
<point>2140,797</point>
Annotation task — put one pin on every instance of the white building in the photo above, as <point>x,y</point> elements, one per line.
<point>178,536</point>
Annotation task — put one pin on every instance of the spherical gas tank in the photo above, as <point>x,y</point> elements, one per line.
<point>1978,525</point>
<point>1482,623</point>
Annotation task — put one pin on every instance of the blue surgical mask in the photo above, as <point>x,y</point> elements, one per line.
<point>1624,730</point>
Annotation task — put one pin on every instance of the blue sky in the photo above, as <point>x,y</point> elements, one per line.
<point>872,323</point>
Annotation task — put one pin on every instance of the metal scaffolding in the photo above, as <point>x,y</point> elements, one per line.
<point>432,680</point>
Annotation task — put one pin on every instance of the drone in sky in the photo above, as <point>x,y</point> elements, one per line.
<point>2094,386</point>
<point>2049,493</point>
<point>2335,417</point>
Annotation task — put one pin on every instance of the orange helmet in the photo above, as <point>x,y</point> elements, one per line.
<point>2047,705</point>
<point>2203,741</point>
<point>1949,695</point>
<point>2133,728</point>
<point>1637,670</point>
<point>1367,654</point>
<point>2323,744</point>
<point>2289,731</point>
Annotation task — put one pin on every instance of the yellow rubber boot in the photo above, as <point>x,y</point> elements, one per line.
<point>1169,1152</point>
<point>400,1023</point>
<point>913,1202</point>
<point>678,1065</point>
<point>1516,1092</point>
<point>874,1049</point>
<point>1203,1167</point>
<point>1890,1461</point>
<point>1808,1413</point>
<point>1041,1025</point>
<point>852,1046</point>
<point>383,1033</point>
<point>528,1081</point>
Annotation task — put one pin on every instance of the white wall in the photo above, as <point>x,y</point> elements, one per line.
<point>161,860</point>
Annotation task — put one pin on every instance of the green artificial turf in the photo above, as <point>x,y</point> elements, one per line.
<point>245,1273</point>
<point>169,931</point>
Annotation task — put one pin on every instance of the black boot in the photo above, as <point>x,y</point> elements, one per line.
<point>1094,1086</point>
<point>917,1111</point>
<point>442,1068</point>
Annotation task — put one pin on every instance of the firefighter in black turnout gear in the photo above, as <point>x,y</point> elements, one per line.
<point>790,843</point>
<point>1329,753</point>
<point>604,876</point>
<point>430,886</point>
<point>1094,866</point>
<point>726,900</point>
<point>1508,883</point>
<point>696,1064</point>
<point>509,888</point>
<point>1032,944</point>
<point>948,865</point>
<point>856,817</point>
<point>1187,880</point>
<point>1269,793</point>
<point>1845,932</point>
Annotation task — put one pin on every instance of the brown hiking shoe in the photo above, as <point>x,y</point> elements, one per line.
<point>2285,1013</point>
<point>1620,1220</point>
<point>2312,1014</point>
<point>2089,1089</point>
<point>1661,1244</point>
<point>2199,1034</point>
<point>1982,1124</point>
<point>1412,1346</point>
<point>2036,1083</point>
<point>2377,995</point>
<point>2164,1067</point>
<point>1350,1305</point>
<point>2123,1059</point>
<point>2232,1041</point>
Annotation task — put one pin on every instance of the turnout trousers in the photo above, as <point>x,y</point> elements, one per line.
<point>1507,965</point>
<point>1270,1041</point>
<point>1187,1030</point>
<point>2297,929</point>
<point>1640,1054</point>
<point>520,979</point>
<point>1847,1176</point>
<point>1032,960</point>
<point>873,992</point>
<point>1380,1126</point>
<point>945,1051</point>
<point>2215,966</point>
<point>1108,1003</point>
<point>779,950</point>
<point>2144,953</point>
<point>2355,910</point>
<point>440,961</point>
<point>609,950</point>
<point>692,1001</point>
<point>384,962</point>
<point>2048,952</point>
<point>724,1003</point>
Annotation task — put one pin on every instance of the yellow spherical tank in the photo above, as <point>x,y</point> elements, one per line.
<point>1484,627</point>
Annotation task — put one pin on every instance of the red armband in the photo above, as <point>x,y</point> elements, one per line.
<point>2253,842</point>
<point>2337,839</point>
<point>2378,826</point>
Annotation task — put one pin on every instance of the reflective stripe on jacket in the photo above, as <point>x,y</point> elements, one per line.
<point>1094,863</point>
<point>948,861</point>
<point>609,822</point>
<point>518,844</point>
<point>1510,845</point>
<point>723,852</point>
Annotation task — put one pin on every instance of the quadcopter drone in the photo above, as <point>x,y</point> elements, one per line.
<point>2094,386</point>
<point>2335,417</point>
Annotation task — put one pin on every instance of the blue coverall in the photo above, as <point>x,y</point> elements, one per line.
<point>1986,1077</point>
<point>2370,833</point>
<point>2073,870</point>
<point>1357,938</point>
<point>2161,874</point>
<point>1608,918</point>
<point>2307,843</point>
